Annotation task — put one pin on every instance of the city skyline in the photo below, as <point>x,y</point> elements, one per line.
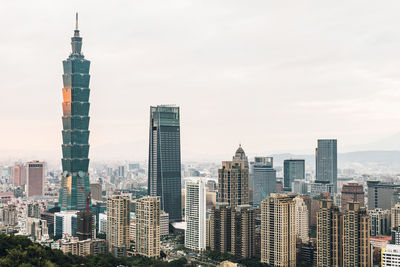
<point>193,62</point>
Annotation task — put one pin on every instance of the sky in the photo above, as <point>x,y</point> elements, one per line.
<point>272,75</point>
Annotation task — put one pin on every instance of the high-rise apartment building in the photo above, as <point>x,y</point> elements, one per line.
<point>329,231</point>
<point>164,223</point>
<point>9,215</point>
<point>35,178</point>
<point>293,169</point>
<point>391,256</point>
<point>19,175</point>
<point>195,215</point>
<point>220,228</point>
<point>65,223</point>
<point>356,233</point>
<point>164,174</point>
<point>380,221</point>
<point>382,195</point>
<point>233,180</point>
<point>147,212</point>
<point>326,161</point>
<point>243,231</point>
<point>352,192</point>
<point>302,229</point>
<point>278,230</point>
<point>118,219</point>
<point>395,214</point>
<point>84,225</point>
<point>33,210</point>
<point>75,148</point>
<point>262,178</point>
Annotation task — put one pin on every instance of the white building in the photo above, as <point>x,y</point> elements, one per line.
<point>102,223</point>
<point>316,188</point>
<point>391,256</point>
<point>164,223</point>
<point>195,214</point>
<point>301,219</point>
<point>65,223</point>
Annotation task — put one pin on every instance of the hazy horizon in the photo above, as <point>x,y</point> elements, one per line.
<point>274,76</point>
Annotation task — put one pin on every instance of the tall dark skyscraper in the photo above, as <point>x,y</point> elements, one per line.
<point>165,159</point>
<point>326,161</point>
<point>75,147</point>
<point>263,178</point>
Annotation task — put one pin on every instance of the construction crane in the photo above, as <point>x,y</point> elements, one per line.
<point>88,196</point>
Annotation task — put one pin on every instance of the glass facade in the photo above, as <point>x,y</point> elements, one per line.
<point>326,161</point>
<point>293,169</point>
<point>75,134</point>
<point>164,178</point>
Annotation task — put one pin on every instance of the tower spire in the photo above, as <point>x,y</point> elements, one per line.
<point>76,22</point>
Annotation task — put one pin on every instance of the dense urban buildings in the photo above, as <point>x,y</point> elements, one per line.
<point>75,135</point>
<point>262,178</point>
<point>233,180</point>
<point>243,231</point>
<point>380,221</point>
<point>35,178</point>
<point>352,192</point>
<point>326,161</point>
<point>302,229</point>
<point>164,174</point>
<point>147,212</point>
<point>382,195</point>
<point>195,215</point>
<point>293,169</point>
<point>278,230</point>
<point>118,220</point>
<point>220,228</point>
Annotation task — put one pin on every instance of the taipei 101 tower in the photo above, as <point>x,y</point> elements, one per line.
<point>75,186</point>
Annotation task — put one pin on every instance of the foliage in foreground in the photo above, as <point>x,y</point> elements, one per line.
<point>20,251</point>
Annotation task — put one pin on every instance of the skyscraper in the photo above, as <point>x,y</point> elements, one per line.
<point>75,147</point>
<point>164,175</point>
<point>352,192</point>
<point>382,195</point>
<point>278,230</point>
<point>19,174</point>
<point>243,231</point>
<point>35,178</point>
<point>147,212</point>
<point>118,220</point>
<point>293,169</point>
<point>302,228</point>
<point>263,178</point>
<point>326,161</point>
<point>233,180</point>
<point>195,215</point>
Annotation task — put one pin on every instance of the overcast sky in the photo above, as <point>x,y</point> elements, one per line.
<point>273,75</point>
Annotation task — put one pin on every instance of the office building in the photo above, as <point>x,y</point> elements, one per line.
<point>195,215</point>
<point>118,220</point>
<point>121,171</point>
<point>164,174</point>
<point>326,161</point>
<point>147,212</point>
<point>356,233</point>
<point>391,256</point>
<point>35,178</point>
<point>243,231</point>
<point>293,169</point>
<point>300,187</point>
<point>319,187</point>
<point>302,229</point>
<point>263,178</point>
<point>278,230</point>
<point>75,134</point>
<point>382,195</point>
<point>329,235</point>
<point>96,192</point>
<point>19,175</point>
<point>65,223</point>
<point>233,181</point>
<point>352,192</point>
<point>380,221</point>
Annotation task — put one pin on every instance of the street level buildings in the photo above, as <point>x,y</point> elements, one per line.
<point>164,174</point>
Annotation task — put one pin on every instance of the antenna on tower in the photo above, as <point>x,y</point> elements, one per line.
<point>76,21</point>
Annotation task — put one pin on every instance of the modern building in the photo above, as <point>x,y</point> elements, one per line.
<point>356,233</point>
<point>382,195</point>
<point>300,187</point>
<point>326,161</point>
<point>352,192</point>
<point>293,169</point>
<point>195,215</point>
<point>278,230</point>
<point>84,247</point>
<point>164,170</point>
<point>380,221</point>
<point>396,235</point>
<point>302,229</point>
<point>243,231</point>
<point>147,212</point>
<point>65,223</point>
<point>35,178</point>
<point>329,235</point>
<point>96,192</point>
<point>233,181</point>
<point>118,220</point>
<point>9,215</point>
<point>318,187</point>
<point>220,228</point>
<point>395,213</point>
<point>85,225</point>
<point>37,229</point>
<point>164,223</point>
<point>102,223</point>
<point>33,210</point>
<point>262,178</point>
<point>75,148</point>
<point>19,174</point>
<point>391,256</point>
